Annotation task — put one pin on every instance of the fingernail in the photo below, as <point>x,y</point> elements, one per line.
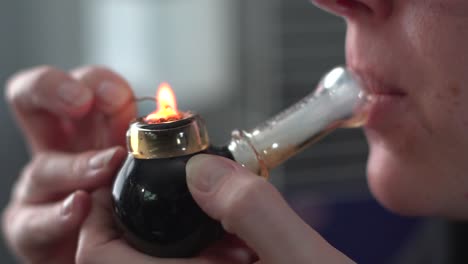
<point>67,206</point>
<point>74,94</point>
<point>112,94</point>
<point>101,159</point>
<point>205,172</point>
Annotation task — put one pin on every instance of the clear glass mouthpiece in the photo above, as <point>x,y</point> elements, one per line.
<point>337,102</point>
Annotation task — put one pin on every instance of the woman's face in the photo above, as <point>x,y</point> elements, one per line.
<point>413,56</point>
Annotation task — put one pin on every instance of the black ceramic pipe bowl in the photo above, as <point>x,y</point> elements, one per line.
<point>155,210</point>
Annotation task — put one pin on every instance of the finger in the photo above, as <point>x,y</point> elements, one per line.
<point>111,90</point>
<point>99,242</point>
<point>114,98</point>
<point>31,228</point>
<point>250,207</point>
<point>230,250</point>
<point>48,88</point>
<point>40,95</point>
<point>50,176</point>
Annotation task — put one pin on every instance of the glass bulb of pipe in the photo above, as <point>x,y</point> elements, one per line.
<point>337,102</point>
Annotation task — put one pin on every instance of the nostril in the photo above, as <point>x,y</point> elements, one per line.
<point>352,4</point>
<point>378,8</point>
<point>354,9</point>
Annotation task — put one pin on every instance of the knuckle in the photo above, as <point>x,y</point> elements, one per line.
<point>30,178</point>
<point>79,165</point>
<point>30,80</point>
<point>11,85</point>
<point>21,188</point>
<point>12,228</point>
<point>244,199</point>
<point>95,75</point>
<point>44,70</point>
<point>98,69</point>
<point>93,70</point>
<point>6,221</point>
<point>43,77</point>
<point>30,171</point>
<point>39,159</point>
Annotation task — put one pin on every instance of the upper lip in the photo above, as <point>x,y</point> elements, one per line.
<point>373,84</point>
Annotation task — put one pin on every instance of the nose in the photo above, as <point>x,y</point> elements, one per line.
<point>353,9</point>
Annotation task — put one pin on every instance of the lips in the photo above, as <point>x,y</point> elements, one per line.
<point>375,85</point>
<point>387,103</point>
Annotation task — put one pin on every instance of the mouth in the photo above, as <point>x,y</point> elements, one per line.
<point>376,86</point>
<point>387,102</point>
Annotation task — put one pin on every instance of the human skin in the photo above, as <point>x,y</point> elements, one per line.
<point>412,55</point>
<point>75,124</point>
<point>247,206</point>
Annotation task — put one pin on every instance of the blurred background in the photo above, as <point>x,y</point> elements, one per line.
<point>237,63</point>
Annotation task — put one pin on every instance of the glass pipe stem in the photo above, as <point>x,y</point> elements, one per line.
<point>337,102</point>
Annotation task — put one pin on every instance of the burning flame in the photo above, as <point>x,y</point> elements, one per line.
<point>166,106</point>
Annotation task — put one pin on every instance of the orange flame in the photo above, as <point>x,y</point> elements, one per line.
<point>166,106</point>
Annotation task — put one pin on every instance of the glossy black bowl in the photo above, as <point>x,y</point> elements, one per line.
<point>155,210</point>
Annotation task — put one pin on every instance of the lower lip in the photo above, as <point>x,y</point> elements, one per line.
<point>385,110</point>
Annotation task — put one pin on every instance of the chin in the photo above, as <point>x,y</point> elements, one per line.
<point>398,185</point>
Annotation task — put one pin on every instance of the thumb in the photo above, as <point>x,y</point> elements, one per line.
<point>251,208</point>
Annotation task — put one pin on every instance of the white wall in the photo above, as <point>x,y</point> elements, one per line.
<point>190,44</point>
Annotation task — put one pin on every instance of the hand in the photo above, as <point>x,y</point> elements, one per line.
<point>247,206</point>
<point>90,108</point>
<point>71,122</point>
<point>252,209</point>
<point>100,242</point>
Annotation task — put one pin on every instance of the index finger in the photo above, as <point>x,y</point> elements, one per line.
<point>113,101</point>
<point>40,97</point>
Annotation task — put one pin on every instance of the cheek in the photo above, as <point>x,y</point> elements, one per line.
<point>443,113</point>
<point>420,169</point>
<point>437,33</point>
<point>418,166</point>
